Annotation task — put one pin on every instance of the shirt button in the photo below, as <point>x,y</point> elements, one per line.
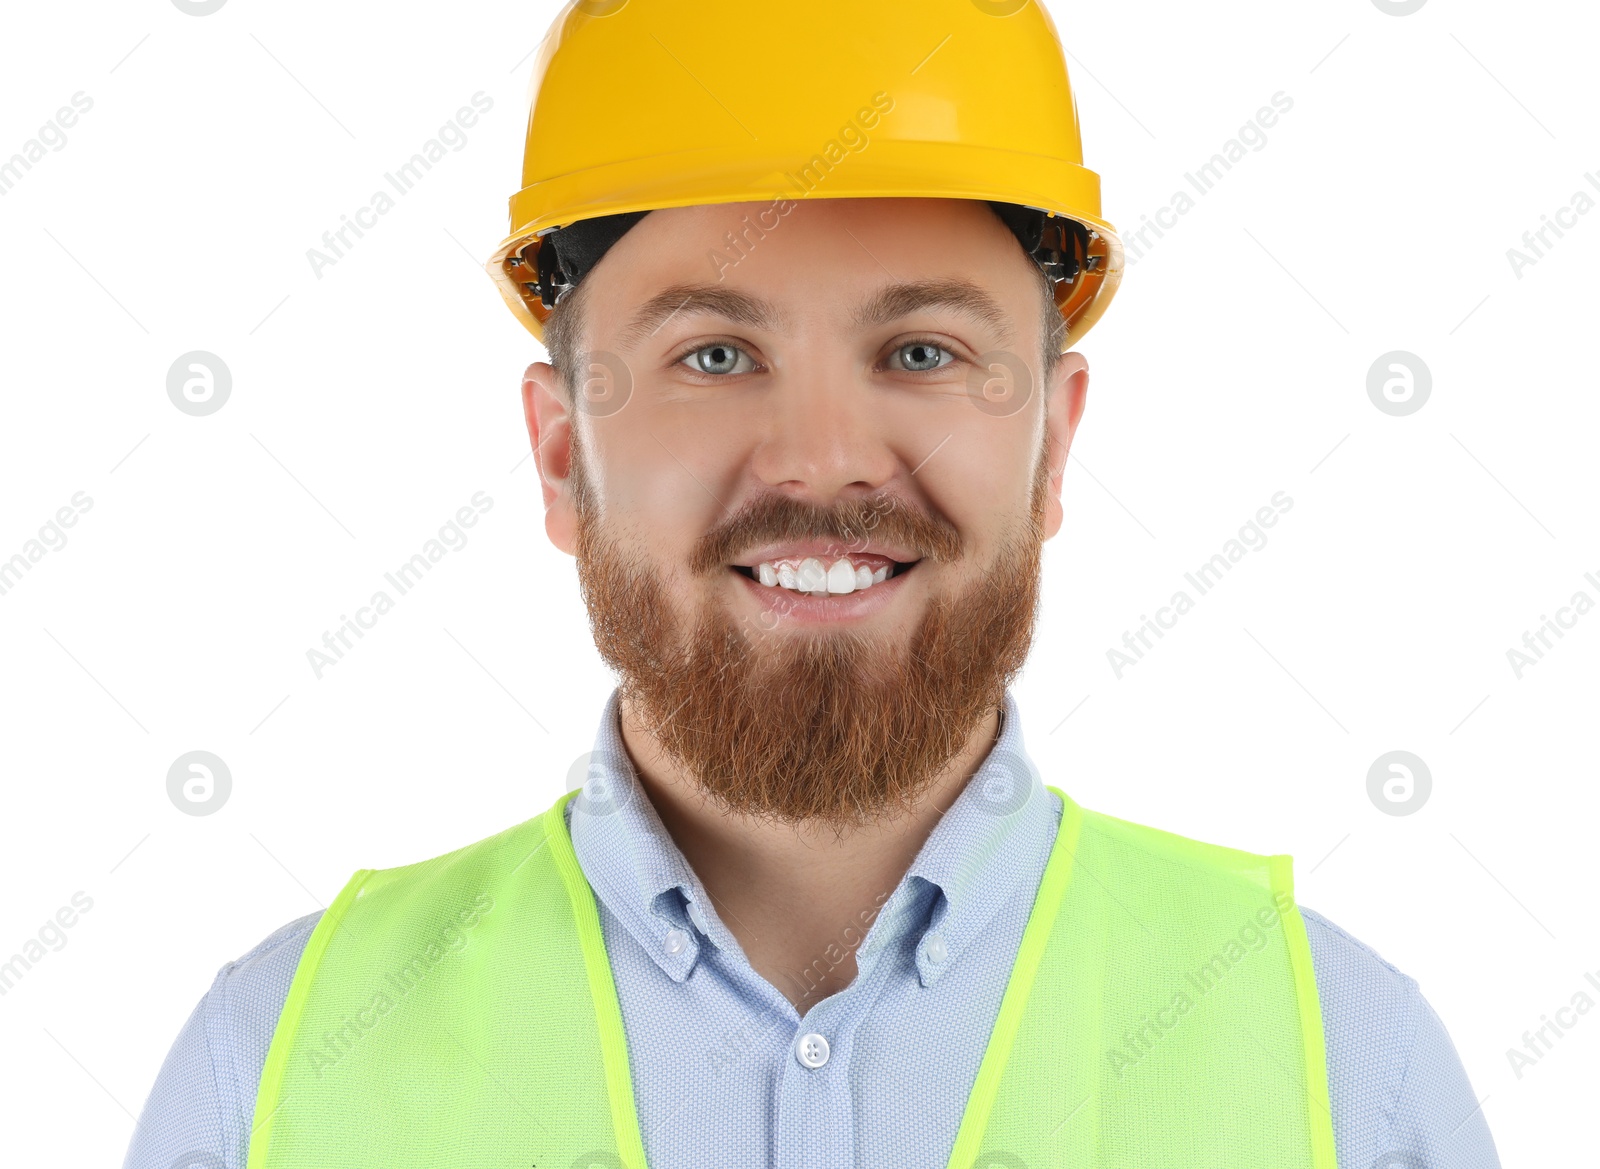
<point>676,941</point>
<point>812,1050</point>
<point>697,917</point>
<point>937,951</point>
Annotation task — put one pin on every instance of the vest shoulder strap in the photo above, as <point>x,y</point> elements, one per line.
<point>1162,1010</point>
<point>462,1003</point>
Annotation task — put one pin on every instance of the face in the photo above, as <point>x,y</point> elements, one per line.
<point>806,484</point>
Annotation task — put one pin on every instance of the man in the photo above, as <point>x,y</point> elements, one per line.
<point>811,904</point>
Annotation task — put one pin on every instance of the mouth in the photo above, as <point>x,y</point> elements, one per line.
<point>816,576</point>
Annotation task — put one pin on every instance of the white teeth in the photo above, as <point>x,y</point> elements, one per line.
<point>841,577</point>
<point>817,579</point>
<point>811,576</point>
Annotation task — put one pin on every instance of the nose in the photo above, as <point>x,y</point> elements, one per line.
<point>823,437</point>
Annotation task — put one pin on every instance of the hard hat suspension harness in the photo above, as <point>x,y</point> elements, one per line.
<point>563,256</point>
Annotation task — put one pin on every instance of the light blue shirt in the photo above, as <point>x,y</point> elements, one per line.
<point>716,1050</point>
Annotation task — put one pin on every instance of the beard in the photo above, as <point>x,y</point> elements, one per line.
<point>830,725</point>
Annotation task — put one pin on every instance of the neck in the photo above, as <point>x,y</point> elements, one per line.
<point>790,892</point>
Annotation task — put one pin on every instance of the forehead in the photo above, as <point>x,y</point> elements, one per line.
<point>858,263</point>
<point>950,296</point>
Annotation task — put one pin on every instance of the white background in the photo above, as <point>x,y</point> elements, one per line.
<point>372,402</point>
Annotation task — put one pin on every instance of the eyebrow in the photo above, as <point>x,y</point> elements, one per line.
<point>695,299</point>
<point>957,295</point>
<point>888,304</point>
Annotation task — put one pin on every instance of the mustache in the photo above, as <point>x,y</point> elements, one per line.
<point>852,524</point>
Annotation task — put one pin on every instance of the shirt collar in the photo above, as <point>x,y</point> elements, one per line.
<point>987,842</point>
<point>981,848</point>
<point>632,862</point>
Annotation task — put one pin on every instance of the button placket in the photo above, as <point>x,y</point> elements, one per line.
<point>815,1121</point>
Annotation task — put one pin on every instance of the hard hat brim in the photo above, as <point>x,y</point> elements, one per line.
<point>887,168</point>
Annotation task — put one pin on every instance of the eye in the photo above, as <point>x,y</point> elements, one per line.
<point>717,359</point>
<point>920,356</point>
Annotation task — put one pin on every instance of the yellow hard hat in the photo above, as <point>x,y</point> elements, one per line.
<point>640,105</point>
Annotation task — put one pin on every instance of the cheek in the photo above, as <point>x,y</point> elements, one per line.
<point>643,474</point>
<point>655,531</point>
<point>981,480</point>
<point>670,478</point>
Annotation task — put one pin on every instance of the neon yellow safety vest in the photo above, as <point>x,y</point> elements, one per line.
<point>1161,1012</point>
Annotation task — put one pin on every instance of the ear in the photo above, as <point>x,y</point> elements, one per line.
<point>1065,399</point>
<point>550,433</point>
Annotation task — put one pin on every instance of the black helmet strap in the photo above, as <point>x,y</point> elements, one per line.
<point>1057,244</point>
